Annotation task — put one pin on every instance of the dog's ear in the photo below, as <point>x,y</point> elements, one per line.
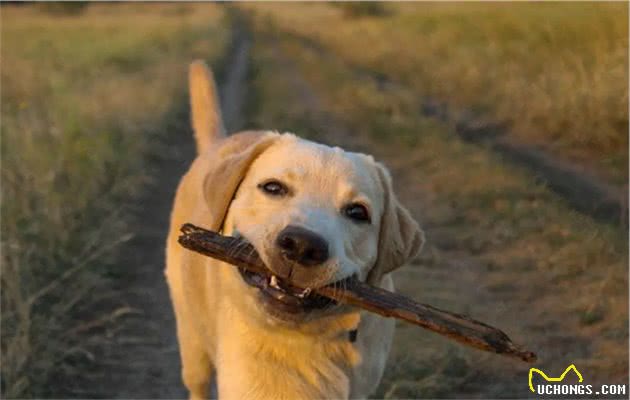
<point>400,237</point>
<point>205,110</point>
<point>228,162</point>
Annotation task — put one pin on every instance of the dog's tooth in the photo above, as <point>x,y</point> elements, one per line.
<point>273,282</point>
<point>304,293</point>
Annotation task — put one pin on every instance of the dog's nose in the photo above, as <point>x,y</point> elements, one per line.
<point>302,246</point>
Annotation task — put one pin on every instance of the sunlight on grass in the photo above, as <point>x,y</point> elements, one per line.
<point>556,73</point>
<point>85,99</point>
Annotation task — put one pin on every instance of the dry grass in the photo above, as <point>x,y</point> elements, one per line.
<point>501,247</point>
<point>84,99</point>
<point>556,73</point>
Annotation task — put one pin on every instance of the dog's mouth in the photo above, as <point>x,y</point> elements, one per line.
<point>284,297</point>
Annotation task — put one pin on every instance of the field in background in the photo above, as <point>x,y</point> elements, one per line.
<point>501,247</point>
<point>555,74</point>
<point>86,99</point>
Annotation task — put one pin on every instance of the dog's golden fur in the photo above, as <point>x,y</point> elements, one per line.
<point>255,351</point>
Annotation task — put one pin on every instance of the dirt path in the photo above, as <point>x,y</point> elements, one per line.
<point>234,88</point>
<point>141,360</point>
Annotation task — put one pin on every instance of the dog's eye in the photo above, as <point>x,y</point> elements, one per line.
<point>357,212</point>
<point>274,188</point>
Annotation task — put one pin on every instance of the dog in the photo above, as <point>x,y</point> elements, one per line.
<point>317,215</point>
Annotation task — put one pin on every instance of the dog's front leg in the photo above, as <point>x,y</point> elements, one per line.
<point>196,368</point>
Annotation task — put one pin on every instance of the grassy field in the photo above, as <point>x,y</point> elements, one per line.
<point>556,74</point>
<point>85,101</point>
<point>501,247</point>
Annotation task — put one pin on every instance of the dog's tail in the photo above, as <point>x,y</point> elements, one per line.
<point>204,104</point>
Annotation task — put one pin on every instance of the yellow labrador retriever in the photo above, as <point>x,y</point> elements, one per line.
<point>317,215</point>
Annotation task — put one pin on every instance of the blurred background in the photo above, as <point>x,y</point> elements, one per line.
<point>505,126</point>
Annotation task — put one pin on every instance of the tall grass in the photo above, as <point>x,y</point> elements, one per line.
<point>84,99</point>
<point>557,74</point>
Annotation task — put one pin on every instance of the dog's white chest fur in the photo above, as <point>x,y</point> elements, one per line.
<point>256,363</point>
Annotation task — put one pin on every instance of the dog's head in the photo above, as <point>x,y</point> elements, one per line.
<point>316,215</point>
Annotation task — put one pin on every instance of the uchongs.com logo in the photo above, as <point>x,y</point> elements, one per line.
<point>554,386</point>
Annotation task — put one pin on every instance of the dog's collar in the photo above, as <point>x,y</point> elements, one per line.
<point>352,335</point>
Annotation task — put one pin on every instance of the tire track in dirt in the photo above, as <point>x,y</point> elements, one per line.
<point>141,359</point>
<point>233,89</point>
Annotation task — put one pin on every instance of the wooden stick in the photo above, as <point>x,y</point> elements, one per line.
<point>388,304</point>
